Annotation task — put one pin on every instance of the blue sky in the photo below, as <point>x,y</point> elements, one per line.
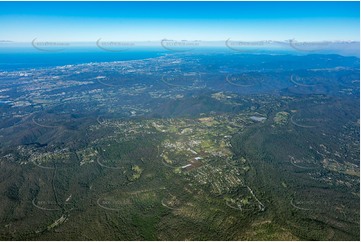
<point>143,21</point>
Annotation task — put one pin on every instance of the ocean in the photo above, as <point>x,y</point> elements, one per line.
<point>16,59</point>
